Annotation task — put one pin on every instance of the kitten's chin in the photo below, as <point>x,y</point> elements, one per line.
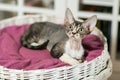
<point>75,38</point>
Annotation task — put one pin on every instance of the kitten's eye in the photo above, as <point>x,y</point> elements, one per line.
<point>81,29</point>
<point>70,27</point>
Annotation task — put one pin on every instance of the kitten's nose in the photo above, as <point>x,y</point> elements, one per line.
<point>73,33</point>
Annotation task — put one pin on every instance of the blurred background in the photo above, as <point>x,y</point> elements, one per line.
<point>108,12</point>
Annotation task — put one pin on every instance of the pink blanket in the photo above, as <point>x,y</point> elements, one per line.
<point>13,55</point>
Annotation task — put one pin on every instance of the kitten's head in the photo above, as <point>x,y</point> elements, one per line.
<point>78,28</point>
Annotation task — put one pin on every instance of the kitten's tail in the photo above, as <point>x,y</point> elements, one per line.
<point>34,46</point>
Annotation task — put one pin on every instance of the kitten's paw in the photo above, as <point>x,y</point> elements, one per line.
<point>40,42</point>
<point>34,44</point>
<point>68,59</point>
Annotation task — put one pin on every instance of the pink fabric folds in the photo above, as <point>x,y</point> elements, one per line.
<point>93,46</point>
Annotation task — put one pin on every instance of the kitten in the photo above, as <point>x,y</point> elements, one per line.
<point>62,42</point>
<point>76,30</point>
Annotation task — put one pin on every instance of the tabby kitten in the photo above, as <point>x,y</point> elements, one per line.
<point>76,30</point>
<point>62,42</point>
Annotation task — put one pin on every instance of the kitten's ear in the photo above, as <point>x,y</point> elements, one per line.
<point>90,23</point>
<point>69,18</point>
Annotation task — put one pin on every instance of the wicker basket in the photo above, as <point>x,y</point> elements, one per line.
<point>98,69</point>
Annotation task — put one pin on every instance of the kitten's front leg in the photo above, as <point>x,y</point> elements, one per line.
<point>57,50</point>
<point>68,59</point>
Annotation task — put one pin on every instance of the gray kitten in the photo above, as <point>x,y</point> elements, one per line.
<point>62,42</point>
